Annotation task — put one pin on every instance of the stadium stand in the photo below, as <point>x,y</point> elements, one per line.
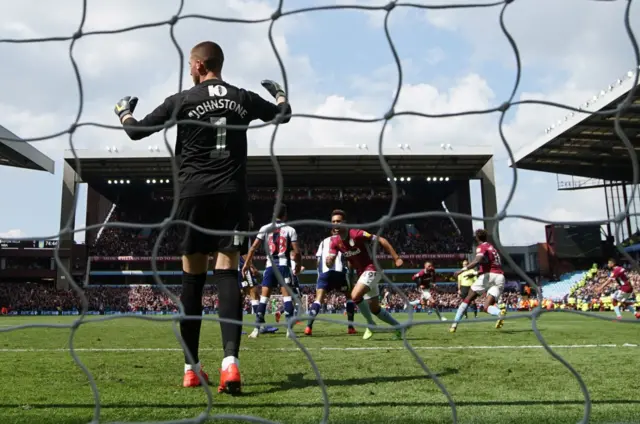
<point>435,235</point>
<point>559,289</point>
<point>19,154</point>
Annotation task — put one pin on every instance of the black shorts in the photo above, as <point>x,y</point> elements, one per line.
<point>222,212</point>
<point>464,291</point>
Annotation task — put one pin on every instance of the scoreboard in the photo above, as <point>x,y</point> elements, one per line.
<point>575,241</point>
<point>28,244</point>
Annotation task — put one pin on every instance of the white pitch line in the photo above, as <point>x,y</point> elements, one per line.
<point>342,349</point>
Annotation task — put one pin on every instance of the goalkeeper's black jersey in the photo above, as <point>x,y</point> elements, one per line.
<point>211,159</point>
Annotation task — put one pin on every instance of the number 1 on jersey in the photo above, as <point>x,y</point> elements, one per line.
<point>221,137</point>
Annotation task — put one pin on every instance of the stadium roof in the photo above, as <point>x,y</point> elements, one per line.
<point>306,166</point>
<point>21,154</point>
<point>586,145</point>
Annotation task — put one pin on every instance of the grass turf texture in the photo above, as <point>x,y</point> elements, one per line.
<point>509,382</point>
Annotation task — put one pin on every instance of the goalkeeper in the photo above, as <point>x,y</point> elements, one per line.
<point>212,182</point>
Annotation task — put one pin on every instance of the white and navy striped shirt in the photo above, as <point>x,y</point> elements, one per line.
<point>322,253</point>
<point>278,243</point>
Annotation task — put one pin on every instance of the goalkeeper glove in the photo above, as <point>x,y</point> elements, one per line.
<point>274,88</point>
<point>125,106</point>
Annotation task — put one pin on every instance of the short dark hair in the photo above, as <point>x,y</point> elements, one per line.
<point>613,261</point>
<point>340,212</point>
<point>482,235</point>
<point>210,54</point>
<point>282,212</point>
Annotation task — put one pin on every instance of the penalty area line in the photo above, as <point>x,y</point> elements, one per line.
<point>342,349</point>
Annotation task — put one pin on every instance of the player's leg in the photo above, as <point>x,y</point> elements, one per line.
<point>371,279</point>
<point>253,291</point>
<point>254,296</point>
<point>195,260</point>
<point>476,289</point>
<point>357,295</point>
<point>230,308</point>
<point>297,298</point>
<point>382,313</point>
<point>314,310</point>
<point>420,300</point>
<point>615,302</point>
<point>430,301</point>
<point>351,307</point>
<point>229,213</point>
<point>493,294</point>
<point>464,292</point>
<point>268,282</point>
<point>632,306</point>
<point>287,290</point>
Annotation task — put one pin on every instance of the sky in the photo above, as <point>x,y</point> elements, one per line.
<point>337,63</point>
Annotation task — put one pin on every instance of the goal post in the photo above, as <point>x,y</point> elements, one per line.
<point>277,298</point>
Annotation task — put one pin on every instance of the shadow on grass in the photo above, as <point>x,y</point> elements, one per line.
<point>298,381</point>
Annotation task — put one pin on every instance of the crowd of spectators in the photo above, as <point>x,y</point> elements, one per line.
<point>431,235</point>
<point>588,293</point>
<point>146,298</point>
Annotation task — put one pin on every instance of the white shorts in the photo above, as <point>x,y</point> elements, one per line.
<point>371,280</point>
<point>621,296</point>
<point>492,283</point>
<point>426,294</point>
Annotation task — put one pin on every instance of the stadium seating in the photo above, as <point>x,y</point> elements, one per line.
<point>434,235</point>
<point>559,289</point>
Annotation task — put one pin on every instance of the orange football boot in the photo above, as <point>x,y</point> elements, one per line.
<point>352,330</point>
<point>308,331</point>
<point>230,380</point>
<point>191,378</point>
<point>277,314</point>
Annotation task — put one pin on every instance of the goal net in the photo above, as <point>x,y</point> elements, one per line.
<point>382,153</point>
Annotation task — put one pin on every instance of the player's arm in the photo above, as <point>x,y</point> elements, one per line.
<point>607,282</point>
<point>333,252</point>
<point>252,269</point>
<point>319,257</point>
<point>474,263</point>
<point>387,247</point>
<point>136,130</point>
<point>248,260</point>
<point>266,111</point>
<point>296,256</point>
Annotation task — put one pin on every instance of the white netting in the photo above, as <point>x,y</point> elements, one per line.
<point>276,15</point>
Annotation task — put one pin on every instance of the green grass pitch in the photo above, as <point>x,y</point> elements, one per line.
<point>494,376</point>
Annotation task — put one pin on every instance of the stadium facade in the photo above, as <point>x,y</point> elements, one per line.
<point>117,176</point>
<point>585,152</point>
<point>19,154</point>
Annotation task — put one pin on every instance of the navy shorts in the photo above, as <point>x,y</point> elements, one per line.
<point>333,280</point>
<point>270,279</point>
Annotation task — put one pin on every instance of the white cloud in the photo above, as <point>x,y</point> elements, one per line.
<point>12,234</point>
